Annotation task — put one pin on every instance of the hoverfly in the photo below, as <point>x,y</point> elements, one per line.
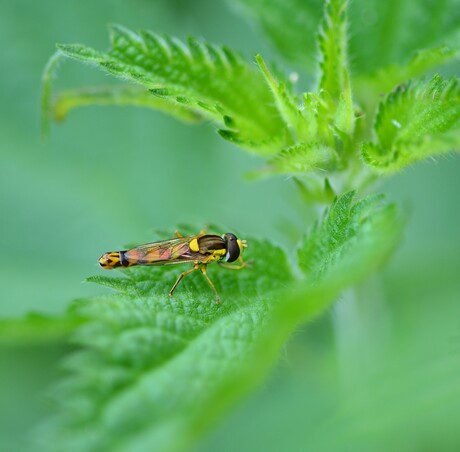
<point>199,250</point>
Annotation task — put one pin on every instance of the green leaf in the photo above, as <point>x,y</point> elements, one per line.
<point>414,122</point>
<point>155,371</point>
<point>290,24</point>
<point>207,80</point>
<point>288,106</point>
<point>347,231</point>
<point>37,329</point>
<point>266,146</point>
<point>334,79</point>
<point>369,87</point>
<point>304,158</point>
<point>334,82</point>
<point>386,33</point>
<point>382,33</point>
<point>151,363</point>
<point>315,190</point>
<point>312,130</point>
<point>333,48</point>
<point>46,95</point>
<point>123,285</point>
<point>68,100</point>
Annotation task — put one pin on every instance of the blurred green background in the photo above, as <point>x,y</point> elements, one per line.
<point>108,176</point>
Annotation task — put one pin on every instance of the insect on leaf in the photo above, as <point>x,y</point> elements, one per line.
<point>156,372</point>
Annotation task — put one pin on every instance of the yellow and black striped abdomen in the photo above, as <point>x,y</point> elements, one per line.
<point>113,259</point>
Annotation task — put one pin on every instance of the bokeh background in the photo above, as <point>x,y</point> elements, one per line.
<point>108,176</point>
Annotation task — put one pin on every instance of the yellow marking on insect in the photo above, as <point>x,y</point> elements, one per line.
<point>214,257</point>
<point>194,246</point>
<point>221,252</point>
<point>110,260</point>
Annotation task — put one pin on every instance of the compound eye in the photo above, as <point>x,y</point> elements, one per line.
<point>233,249</point>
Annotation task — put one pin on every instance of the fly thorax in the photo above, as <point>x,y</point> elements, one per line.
<point>212,244</point>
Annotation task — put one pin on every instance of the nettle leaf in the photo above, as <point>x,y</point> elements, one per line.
<point>288,105</point>
<point>68,100</point>
<point>368,88</point>
<point>334,82</point>
<point>315,190</point>
<point>149,363</point>
<point>304,158</point>
<point>290,24</point>
<point>386,33</point>
<point>314,128</point>
<point>156,372</point>
<point>332,42</point>
<point>415,121</point>
<point>347,230</point>
<point>265,146</point>
<point>37,329</point>
<point>321,128</point>
<point>381,33</point>
<point>197,79</point>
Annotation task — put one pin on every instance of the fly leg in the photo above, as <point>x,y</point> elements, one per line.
<point>179,235</point>
<point>232,267</point>
<point>236,267</point>
<point>203,270</point>
<point>195,267</point>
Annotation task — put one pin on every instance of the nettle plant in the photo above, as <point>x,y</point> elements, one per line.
<point>156,371</point>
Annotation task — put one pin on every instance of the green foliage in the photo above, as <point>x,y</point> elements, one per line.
<point>333,49</point>
<point>199,78</point>
<point>156,371</point>
<point>304,158</point>
<point>47,83</point>
<point>334,85</point>
<point>381,33</point>
<point>345,225</point>
<point>415,121</point>
<point>37,329</point>
<point>287,104</point>
<point>384,52</point>
<point>310,124</point>
<point>290,24</point>
<point>369,87</point>
<point>150,365</point>
<point>120,95</point>
<point>321,133</point>
<point>151,371</point>
<point>387,33</point>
